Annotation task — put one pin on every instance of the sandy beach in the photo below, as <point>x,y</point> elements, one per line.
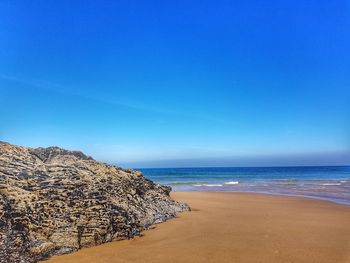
<point>236,227</point>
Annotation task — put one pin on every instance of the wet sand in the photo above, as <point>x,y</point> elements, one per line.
<point>236,227</point>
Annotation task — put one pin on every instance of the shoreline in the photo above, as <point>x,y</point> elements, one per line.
<point>236,227</point>
<point>322,199</point>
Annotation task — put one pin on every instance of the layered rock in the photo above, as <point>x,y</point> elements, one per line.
<point>54,201</point>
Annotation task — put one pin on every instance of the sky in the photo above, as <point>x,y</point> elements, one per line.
<point>179,83</point>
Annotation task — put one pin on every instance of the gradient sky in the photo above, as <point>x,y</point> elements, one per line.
<point>179,83</point>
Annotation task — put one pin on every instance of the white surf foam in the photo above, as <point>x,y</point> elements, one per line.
<point>232,183</point>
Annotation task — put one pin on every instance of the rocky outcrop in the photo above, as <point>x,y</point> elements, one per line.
<point>54,201</point>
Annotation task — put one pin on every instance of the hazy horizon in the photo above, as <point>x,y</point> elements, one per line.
<point>241,162</point>
<point>169,84</point>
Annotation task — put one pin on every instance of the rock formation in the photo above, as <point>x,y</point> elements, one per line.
<point>54,201</point>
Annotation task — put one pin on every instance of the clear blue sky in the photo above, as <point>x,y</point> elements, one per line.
<point>179,83</point>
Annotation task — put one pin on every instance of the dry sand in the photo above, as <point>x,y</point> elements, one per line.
<point>236,227</point>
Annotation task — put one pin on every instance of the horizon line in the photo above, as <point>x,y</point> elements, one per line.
<point>276,166</point>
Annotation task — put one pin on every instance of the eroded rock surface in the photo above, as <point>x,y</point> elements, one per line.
<point>54,201</point>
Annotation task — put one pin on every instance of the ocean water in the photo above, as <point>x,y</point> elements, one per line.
<point>330,183</point>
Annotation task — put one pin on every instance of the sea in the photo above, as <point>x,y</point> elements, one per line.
<point>330,183</point>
